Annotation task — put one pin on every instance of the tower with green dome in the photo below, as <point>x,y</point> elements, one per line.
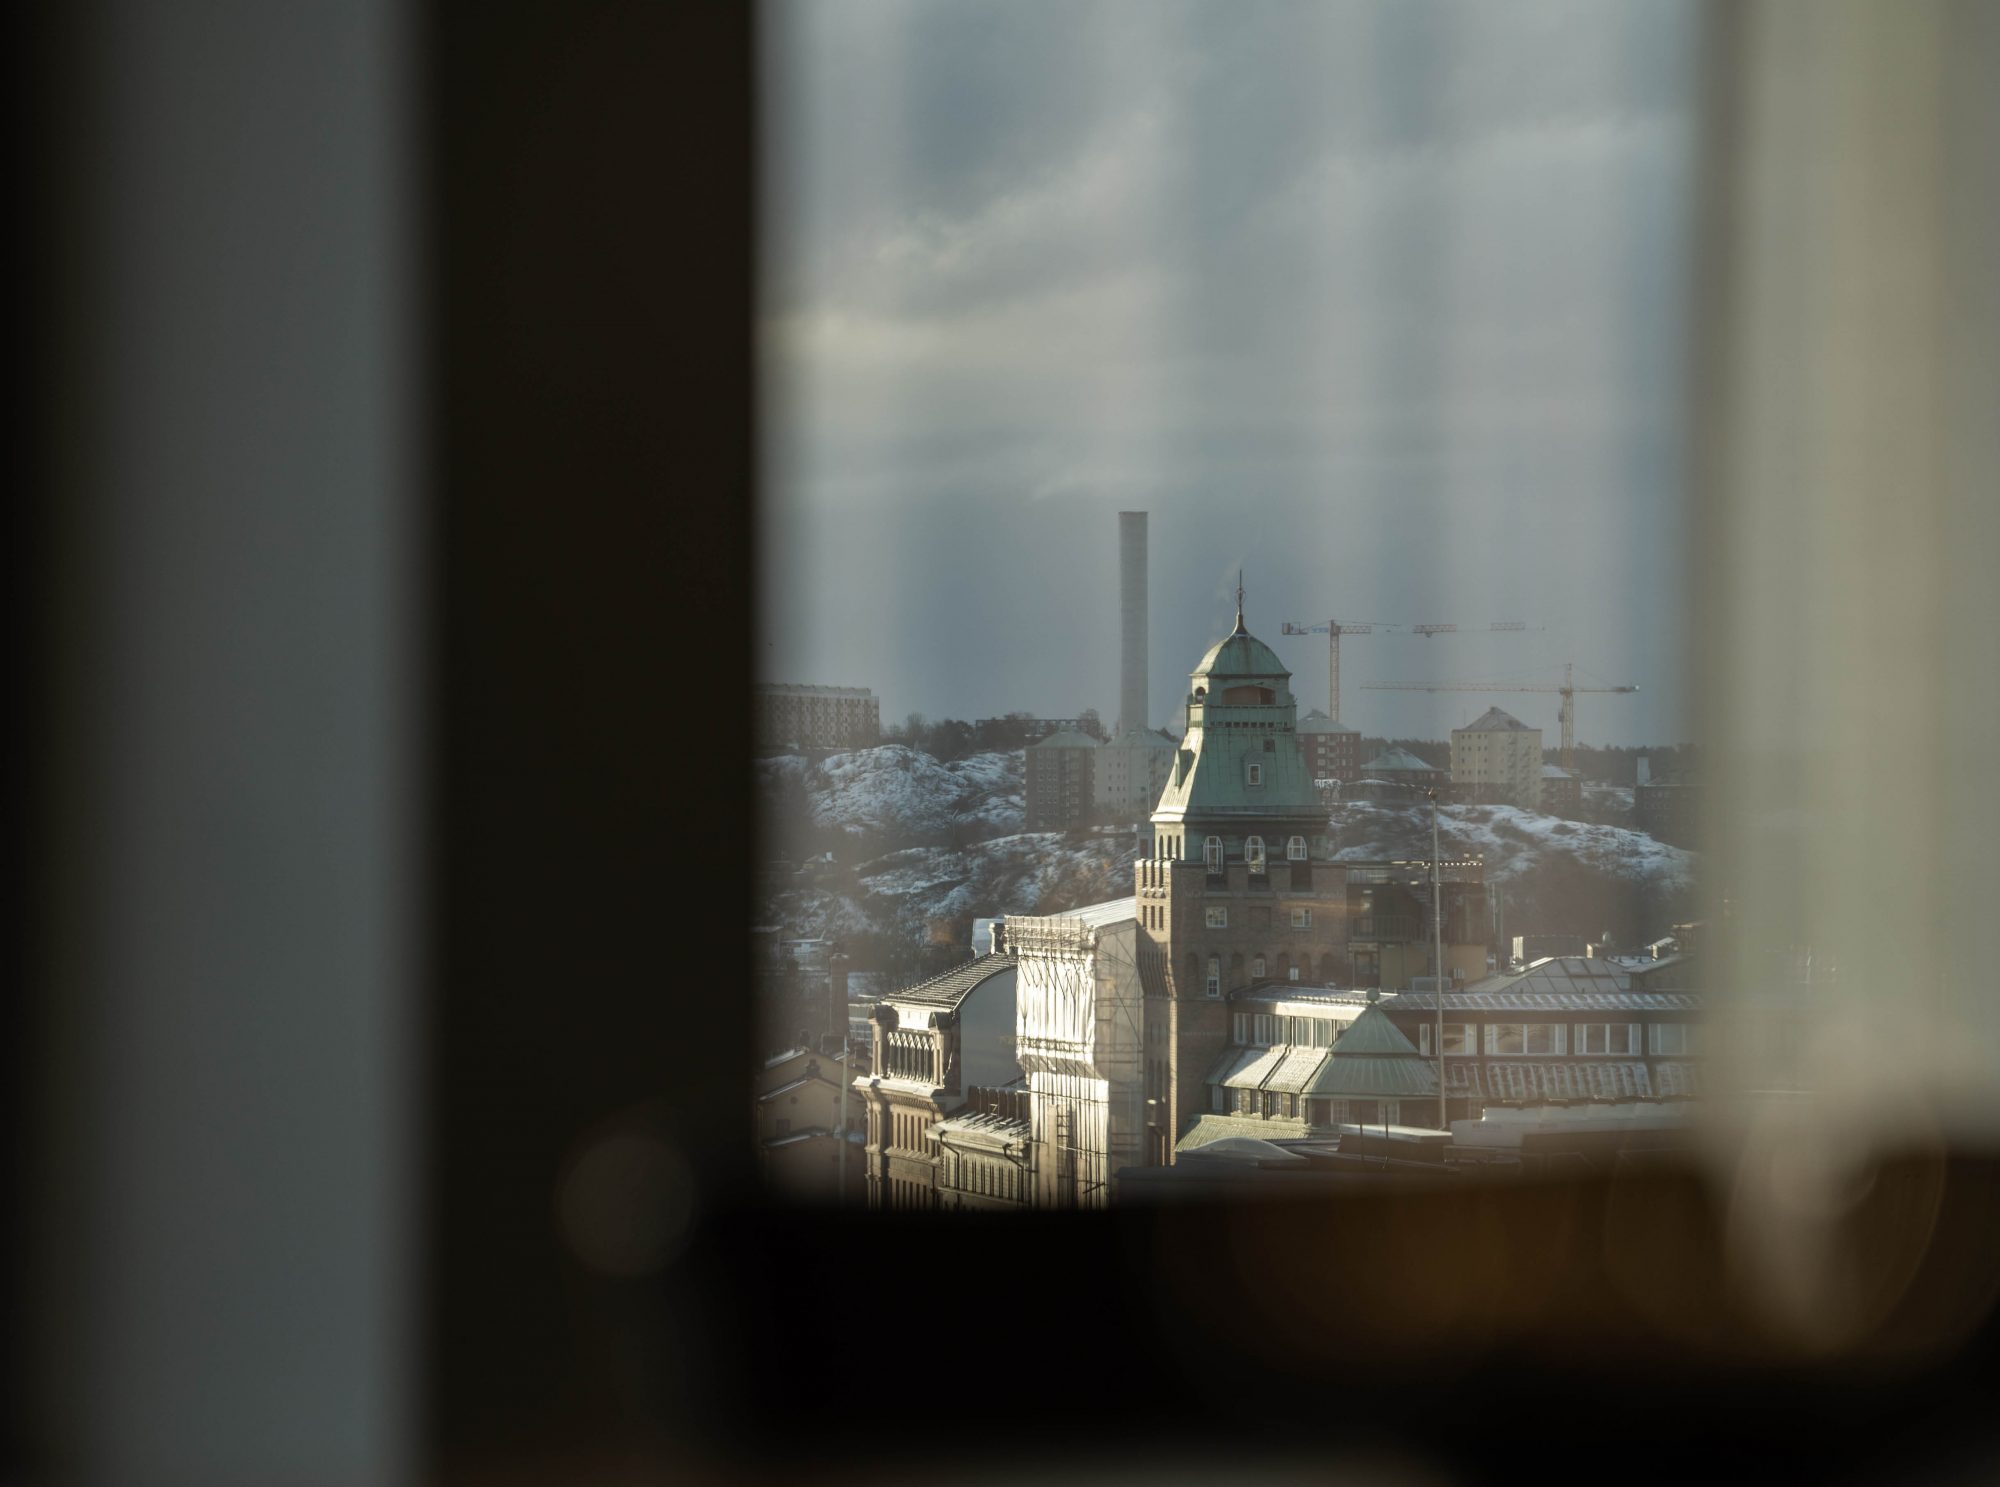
<point>1239,886</point>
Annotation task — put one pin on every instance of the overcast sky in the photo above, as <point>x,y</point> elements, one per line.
<point>1385,303</point>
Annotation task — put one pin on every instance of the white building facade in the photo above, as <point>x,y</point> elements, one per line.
<point>1079,1021</point>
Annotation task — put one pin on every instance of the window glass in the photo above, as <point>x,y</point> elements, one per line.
<point>1218,917</point>
<point>1295,849</point>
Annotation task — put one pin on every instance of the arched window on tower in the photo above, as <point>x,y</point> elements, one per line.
<point>1253,854</point>
<point>1295,849</point>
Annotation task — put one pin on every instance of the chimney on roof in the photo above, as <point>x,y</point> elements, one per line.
<point>1131,621</point>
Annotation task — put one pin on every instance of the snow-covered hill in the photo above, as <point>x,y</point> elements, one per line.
<point>1552,875</point>
<point>898,795</point>
<point>906,895</point>
<point>922,846</point>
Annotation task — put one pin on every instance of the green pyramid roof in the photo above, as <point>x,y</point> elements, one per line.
<point>1372,1059</point>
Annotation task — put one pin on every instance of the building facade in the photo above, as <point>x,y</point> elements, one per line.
<point>1497,760</point>
<point>1572,1030</point>
<point>1131,772</point>
<point>1562,792</point>
<point>1061,781</point>
<point>1079,1031</point>
<point>1667,807</point>
<point>1332,749</point>
<point>807,1127</point>
<point>985,1152</point>
<point>930,1045</point>
<point>796,717</point>
<point>1389,928</point>
<point>1568,1028</point>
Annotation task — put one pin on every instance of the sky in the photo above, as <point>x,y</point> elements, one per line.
<point>1385,305</point>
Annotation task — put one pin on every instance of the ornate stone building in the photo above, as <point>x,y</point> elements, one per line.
<point>932,1043</point>
<point>1081,1021</point>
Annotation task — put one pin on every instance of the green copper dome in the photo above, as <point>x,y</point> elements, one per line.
<point>1241,654</point>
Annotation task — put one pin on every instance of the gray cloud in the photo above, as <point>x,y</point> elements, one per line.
<point>1386,299</point>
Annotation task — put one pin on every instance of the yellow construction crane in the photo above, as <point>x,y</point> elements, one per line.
<point>1567,687</point>
<point>1334,629</point>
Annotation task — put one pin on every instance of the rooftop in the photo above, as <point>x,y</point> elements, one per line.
<point>956,984</point>
<point>1399,760</point>
<point>1496,720</point>
<point>1317,721</point>
<point>1066,738</point>
<point>1240,653</point>
<point>984,1123</point>
<point>1096,916</point>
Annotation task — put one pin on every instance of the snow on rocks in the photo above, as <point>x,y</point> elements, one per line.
<point>902,793</point>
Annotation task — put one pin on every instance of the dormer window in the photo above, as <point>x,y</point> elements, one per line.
<point>1211,853</point>
<point>1295,849</point>
<point>1253,854</point>
<point>1256,771</point>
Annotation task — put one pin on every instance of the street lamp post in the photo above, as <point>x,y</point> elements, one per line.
<point>1437,951</point>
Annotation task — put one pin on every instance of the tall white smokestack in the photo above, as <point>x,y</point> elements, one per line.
<point>1132,621</point>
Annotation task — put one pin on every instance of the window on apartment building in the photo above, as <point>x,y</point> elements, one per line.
<point>1214,976</point>
<point>1295,849</point>
<point>1256,773</point>
<point>1217,916</point>
<point>1606,1037</point>
<point>1524,1038</point>
<point>1291,973</point>
<point>1253,854</point>
<point>1256,967</point>
<point>1671,1038</point>
<point>1211,853</point>
<point>1302,918</point>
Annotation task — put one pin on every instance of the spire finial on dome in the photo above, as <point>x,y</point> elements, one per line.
<point>1239,602</point>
